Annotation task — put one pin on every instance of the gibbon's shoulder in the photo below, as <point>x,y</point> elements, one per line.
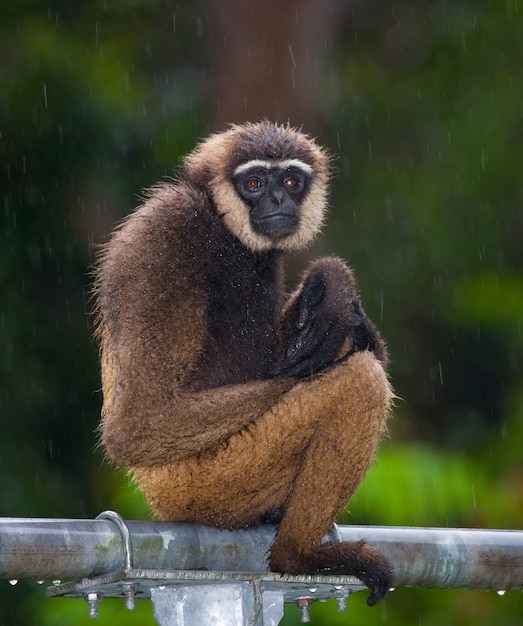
<point>170,204</point>
<point>158,242</point>
<point>168,209</point>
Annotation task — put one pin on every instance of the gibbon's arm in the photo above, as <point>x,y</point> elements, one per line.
<point>152,324</point>
<point>147,423</point>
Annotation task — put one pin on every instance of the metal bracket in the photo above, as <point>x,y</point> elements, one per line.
<point>265,593</point>
<point>193,597</point>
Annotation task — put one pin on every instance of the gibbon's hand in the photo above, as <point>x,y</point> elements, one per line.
<point>324,316</point>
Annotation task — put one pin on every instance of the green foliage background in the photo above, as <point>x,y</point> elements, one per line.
<point>422,105</point>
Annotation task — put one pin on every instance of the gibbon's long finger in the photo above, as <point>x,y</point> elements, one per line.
<point>307,304</point>
<point>363,335</point>
<point>309,326</point>
<point>303,336</point>
<point>359,337</point>
<point>304,316</point>
<point>318,351</point>
<point>312,294</point>
<point>296,362</point>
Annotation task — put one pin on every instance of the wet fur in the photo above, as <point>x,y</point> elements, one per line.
<point>192,322</point>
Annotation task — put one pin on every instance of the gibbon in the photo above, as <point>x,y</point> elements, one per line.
<point>230,403</point>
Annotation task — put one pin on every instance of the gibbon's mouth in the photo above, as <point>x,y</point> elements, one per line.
<point>276,225</point>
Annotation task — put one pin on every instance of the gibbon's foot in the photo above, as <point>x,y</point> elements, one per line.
<point>350,558</point>
<point>327,312</point>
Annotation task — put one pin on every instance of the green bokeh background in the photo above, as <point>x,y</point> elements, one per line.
<point>422,105</point>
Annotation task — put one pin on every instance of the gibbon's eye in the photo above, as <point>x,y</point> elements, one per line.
<point>291,183</point>
<point>252,184</point>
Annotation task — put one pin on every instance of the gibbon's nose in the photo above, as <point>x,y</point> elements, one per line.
<point>277,196</point>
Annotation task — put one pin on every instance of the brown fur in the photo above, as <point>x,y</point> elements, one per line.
<point>191,320</point>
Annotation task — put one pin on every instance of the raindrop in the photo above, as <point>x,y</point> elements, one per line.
<point>293,60</point>
<point>313,589</point>
<point>92,600</point>
<point>304,604</point>
<point>57,582</point>
<point>40,582</point>
<point>13,581</point>
<point>501,592</point>
<point>392,589</point>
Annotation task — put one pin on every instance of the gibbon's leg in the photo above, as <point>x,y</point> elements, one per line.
<point>249,477</point>
<point>305,456</point>
<point>335,461</point>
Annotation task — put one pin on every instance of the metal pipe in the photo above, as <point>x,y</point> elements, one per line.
<point>448,557</point>
<point>55,549</point>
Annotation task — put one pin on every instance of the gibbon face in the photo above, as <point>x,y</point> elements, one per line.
<point>274,192</point>
<point>269,183</point>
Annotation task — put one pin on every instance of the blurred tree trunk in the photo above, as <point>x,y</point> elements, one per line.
<point>267,59</point>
